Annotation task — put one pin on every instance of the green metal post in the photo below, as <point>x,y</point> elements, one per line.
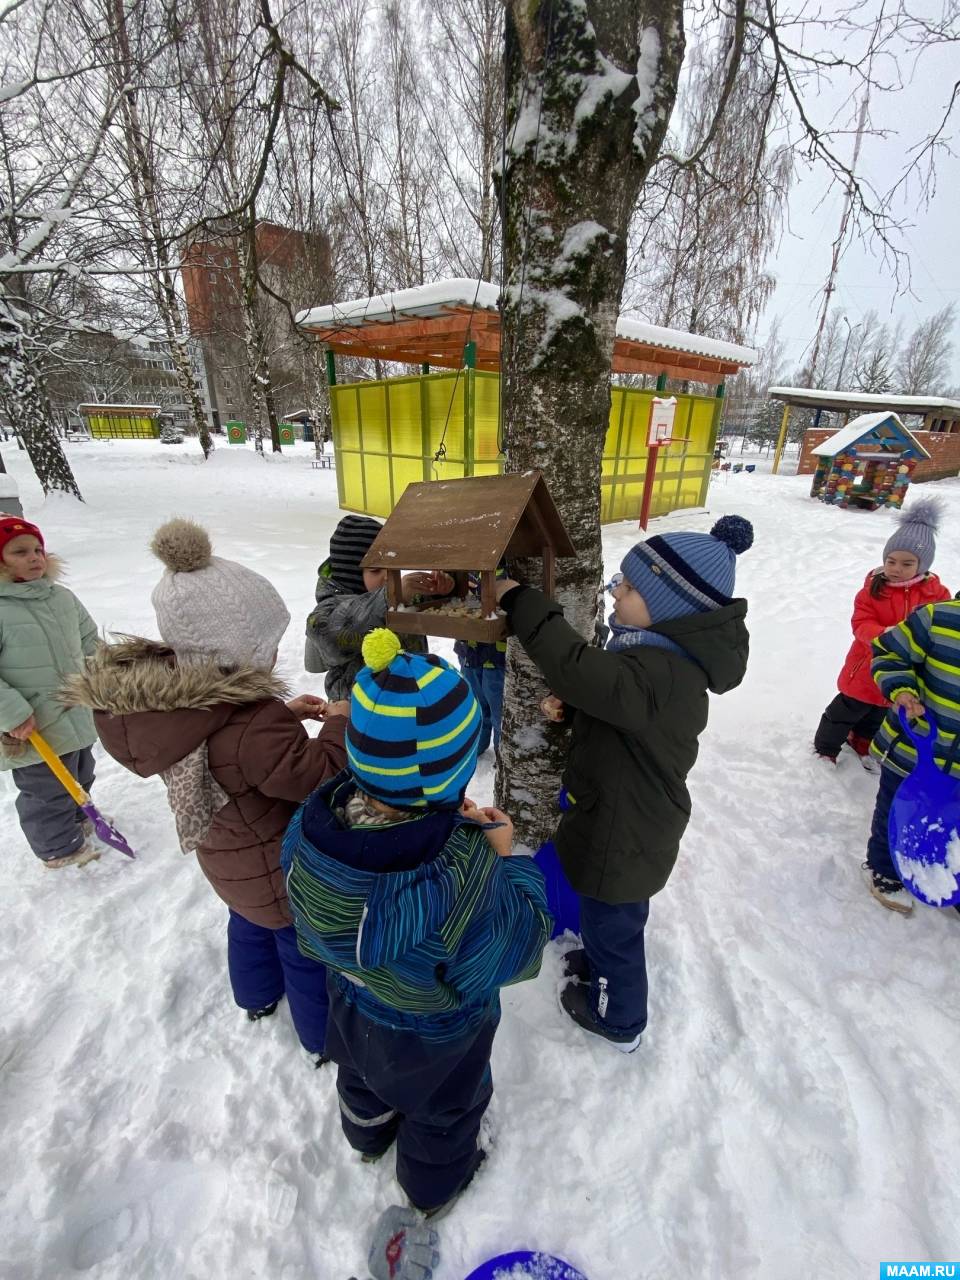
<point>331,369</point>
<point>424,368</point>
<point>470,355</point>
<point>661,382</point>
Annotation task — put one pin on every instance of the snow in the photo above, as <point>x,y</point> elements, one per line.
<point>852,432</point>
<point>648,68</point>
<point>435,299</point>
<point>790,1112</point>
<point>841,398</point>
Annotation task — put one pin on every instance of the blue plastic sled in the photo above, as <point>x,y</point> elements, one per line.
<point>534,1266</point>
<point>561,899</point>
<point>924,825</point>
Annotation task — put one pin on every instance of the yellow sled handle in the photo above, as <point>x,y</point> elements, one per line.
<point>58,768</point>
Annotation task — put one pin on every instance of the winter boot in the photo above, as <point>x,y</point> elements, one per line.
<point>268,1010</point>
<point>86,853</point>
<point>441,1210</point>
<point>889,893</point>
<point>576,965</point>
<point>861,746</point>
<point>575,1001</point>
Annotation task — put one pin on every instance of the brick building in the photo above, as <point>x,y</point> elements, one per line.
<point>293,265</point>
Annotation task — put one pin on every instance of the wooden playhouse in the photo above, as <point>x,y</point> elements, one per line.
<point>867,464</point>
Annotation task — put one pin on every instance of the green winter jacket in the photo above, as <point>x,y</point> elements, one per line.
<point>639,713</point>
<point>45,633</point>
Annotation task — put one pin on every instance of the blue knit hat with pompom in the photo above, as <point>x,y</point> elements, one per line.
<point>683,573</point>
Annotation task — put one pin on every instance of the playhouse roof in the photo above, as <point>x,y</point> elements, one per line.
<point>814,398</point>
<point>469,524</point>
<point>842,440</point>
<point>431,324</point>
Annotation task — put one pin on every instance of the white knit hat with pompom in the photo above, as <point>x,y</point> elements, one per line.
<point>208,605</point>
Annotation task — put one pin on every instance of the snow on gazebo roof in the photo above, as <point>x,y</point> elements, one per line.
<point>813,398</point>
<point>432,322</point>
<point>841,440</point>
<point>123,408</point>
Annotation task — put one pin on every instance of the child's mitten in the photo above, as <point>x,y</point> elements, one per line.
<point>403,1247</point>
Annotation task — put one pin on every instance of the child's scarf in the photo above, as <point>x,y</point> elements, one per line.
<point>623,637</point>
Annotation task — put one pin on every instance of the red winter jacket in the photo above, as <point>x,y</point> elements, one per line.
<point>873,615</point>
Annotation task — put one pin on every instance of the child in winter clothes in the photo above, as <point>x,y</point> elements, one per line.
<point>483,666</point>
<point>44,634</point>
<point>890,594</point>
<point>205,713</point>
<point>352,601</point>
<point>639,707</point>
<point>420,914</point>
<point>916,665</point>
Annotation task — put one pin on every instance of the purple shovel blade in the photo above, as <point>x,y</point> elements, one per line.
<point>105,832</point>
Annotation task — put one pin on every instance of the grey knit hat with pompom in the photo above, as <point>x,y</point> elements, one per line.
<point>916,532</point>
<point>217,607</point>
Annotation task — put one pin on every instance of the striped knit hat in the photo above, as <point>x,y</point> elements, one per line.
<point>683,573</point>
<point>414,727</point>
<point>349,543</point>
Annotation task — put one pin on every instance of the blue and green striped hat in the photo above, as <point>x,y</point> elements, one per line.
<point>414,727</point>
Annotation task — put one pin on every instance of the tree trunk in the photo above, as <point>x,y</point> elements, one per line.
<point>154,244</point>
<point>590,86</point>
<point>24,401</point>
<point>265,413</point>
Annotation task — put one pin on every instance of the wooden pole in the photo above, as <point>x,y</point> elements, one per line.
<point>653,453</point>
<point>782,438</point>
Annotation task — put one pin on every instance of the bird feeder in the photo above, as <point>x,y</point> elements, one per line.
<point>463,527</point>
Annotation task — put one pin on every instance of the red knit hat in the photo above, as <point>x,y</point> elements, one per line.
<point>15,527</point>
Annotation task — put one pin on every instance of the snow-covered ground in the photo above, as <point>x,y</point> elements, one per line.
<point>793,1108</point>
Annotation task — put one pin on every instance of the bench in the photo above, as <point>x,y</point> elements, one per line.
<point>323,463</point>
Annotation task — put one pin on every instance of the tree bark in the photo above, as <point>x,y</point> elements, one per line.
<point>590,86</point>
<point>24,401</point>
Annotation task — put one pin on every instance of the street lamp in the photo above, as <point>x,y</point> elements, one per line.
<point>846,348</point>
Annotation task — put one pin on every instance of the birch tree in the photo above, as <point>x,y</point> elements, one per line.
<point>590,85</point>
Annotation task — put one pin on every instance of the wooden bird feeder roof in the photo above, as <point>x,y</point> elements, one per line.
<point>464,526</point>
<point>431,324</point>
<point>469,524</point>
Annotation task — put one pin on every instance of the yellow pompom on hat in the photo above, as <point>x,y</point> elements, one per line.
<point>380,647</point>
<point>414,727</point>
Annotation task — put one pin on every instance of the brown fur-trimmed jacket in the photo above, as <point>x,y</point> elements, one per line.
<point>151,711</point>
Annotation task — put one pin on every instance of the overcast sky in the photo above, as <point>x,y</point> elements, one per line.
<point>932,242</point>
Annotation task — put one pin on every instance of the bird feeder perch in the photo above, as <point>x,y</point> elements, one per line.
<point>466,526</point>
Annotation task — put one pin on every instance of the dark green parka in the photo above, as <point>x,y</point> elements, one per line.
<point>639,713</point>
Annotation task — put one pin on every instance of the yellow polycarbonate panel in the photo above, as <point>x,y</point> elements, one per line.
<point>373,417</point>
<point>404,401</point>
<point>405,471</point>
<point>343,406</point>
<point>486,420</point>
<point>379,494</point>
<point>445,401</point>
<point>379,432</point>
<point>350,470</point>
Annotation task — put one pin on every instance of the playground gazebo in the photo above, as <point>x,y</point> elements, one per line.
<point>122,421</point>
<point>388,432</point>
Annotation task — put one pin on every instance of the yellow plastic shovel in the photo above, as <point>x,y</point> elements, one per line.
<point>105,831</point>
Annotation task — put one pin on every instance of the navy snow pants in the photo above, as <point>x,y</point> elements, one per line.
<point>878,846</point>
<point>265,964</point>
<point>612,937</point>
<point>429,1095</point>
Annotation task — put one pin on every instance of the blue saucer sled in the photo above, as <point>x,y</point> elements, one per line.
<point>924,825</point>
<point>525,1265</point>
